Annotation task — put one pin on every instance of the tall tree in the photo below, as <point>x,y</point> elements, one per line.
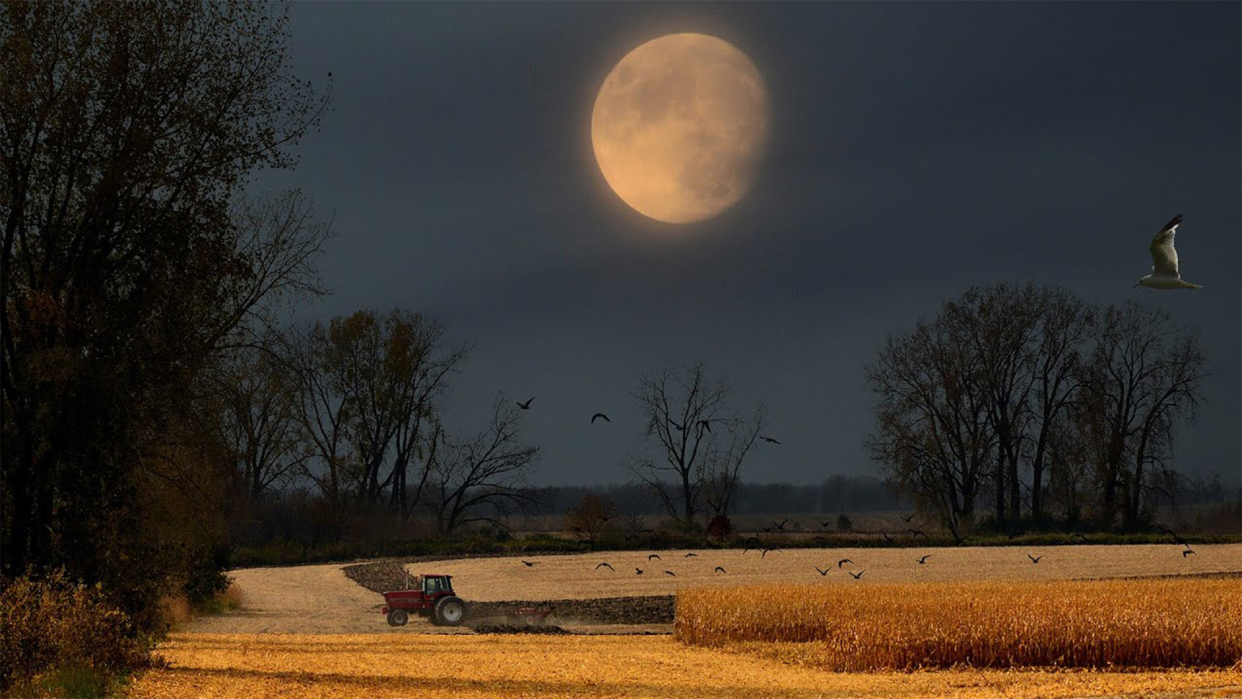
<point>675,405</point>
<point>1143,376</point>
<point>126,133</point>
<point>1063,323</point>
<point>933,434</point>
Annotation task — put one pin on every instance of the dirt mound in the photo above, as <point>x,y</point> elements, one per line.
<point>379,576</point>
<point>520,628</point>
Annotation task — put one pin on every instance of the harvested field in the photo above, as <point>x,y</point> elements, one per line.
<point>472,667</point>
<point>575,577</point>
<point>1093,624</point>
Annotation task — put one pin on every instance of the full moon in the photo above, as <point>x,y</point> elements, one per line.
<point>679,126</point>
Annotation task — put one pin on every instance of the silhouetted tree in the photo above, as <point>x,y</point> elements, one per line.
<point>933,438</point>
<point>678,407</point>
<point>128,262</point>
<point>1143,375</point>
<point>483,476</point>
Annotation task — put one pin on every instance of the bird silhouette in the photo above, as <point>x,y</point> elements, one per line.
<point>605,565</point>
<point>923,560</point>
<point>889,537</point>
<point>843,561</point>
<point>909,519</point>
<point>824,524</point>
<point>721,570</point>
<point>526,405</point>
<point>680,428</point>
<point>763,553</point>
<point>856,575</point>
<point>669,572</point>
<point>638,571</point>
<point>691,555</point>
<point>654,556</point>
<point>917,532</point>
<point>529,564</point>
<point>1188,551</point>
<point>1034,559</point>
<point>821,572</point>
<point>769,439</point>
<point>780,524</point>
<point>599,415</point>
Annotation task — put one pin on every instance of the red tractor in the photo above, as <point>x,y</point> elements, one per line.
<point>429,595</point>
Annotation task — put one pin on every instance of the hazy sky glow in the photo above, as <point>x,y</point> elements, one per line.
<point>915,150</point>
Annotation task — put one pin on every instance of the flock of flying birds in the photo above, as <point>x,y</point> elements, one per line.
<point>754,544</point>
<point>1166,274</point>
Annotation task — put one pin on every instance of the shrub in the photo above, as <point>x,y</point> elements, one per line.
<point>205,576</point>
<point>844,524</point>
<point>61,634</point>
<point>719,527</point>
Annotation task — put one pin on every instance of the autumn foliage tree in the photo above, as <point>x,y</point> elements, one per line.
<point>129,262</point>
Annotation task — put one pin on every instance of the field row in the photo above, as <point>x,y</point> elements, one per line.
<point>1086,624</point>
<point>504,667</point>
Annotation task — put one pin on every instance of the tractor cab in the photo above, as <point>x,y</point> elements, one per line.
<point>436,585</point>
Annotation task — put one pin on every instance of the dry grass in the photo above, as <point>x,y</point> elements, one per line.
<point>1093,624</point>
<point>471,667</point>
<point>231,599</point>
<point>574,576</point>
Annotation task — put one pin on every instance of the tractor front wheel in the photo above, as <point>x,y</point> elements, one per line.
<point>449,611</point>
<point>398,617</point>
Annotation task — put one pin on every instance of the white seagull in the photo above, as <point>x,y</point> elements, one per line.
<point>1164,274</point>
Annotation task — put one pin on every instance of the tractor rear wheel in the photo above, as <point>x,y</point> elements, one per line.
<point>398,617</point>
<point>449,611</point>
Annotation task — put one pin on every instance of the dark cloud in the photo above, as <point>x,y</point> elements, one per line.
<point>917,149</point>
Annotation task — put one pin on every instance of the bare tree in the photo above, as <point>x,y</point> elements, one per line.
<point>325,402</point>
<point>933,436</point>
<point>999,323</point>
<point>1062,326</point>
<point>483,477</point>
<point>676,406</point>
<point>1142,378</point>
<point>260,418</point>
<point>725,457</point>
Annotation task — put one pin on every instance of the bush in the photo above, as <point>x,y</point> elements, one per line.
<point>58,634</point>
<point>719,527</point>
<point>844,524</point>
<point>205,577</point>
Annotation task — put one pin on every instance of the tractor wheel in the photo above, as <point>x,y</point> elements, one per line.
<point>398,617</point>
<point>450,611</point>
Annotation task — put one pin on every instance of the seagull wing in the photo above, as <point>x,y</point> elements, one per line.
<point>1163,254</point>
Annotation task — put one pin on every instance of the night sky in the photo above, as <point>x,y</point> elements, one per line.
<point>915,150</point>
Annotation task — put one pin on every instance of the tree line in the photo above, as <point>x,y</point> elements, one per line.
<point>1025,403</point>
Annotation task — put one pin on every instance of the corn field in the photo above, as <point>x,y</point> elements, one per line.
<point>1084,624</point>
